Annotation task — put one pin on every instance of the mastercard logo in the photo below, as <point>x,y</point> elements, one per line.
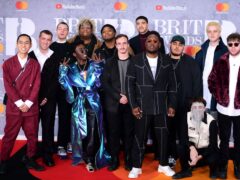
<point>222,7</point>
<point>192,50</point>
<point>1,47</point>
<point>21,5</point>
<point>58,6</point>
<point>120,6</point>
<point>159,7</point>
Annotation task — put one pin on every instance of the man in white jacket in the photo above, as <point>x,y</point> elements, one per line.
<point>203,141</point>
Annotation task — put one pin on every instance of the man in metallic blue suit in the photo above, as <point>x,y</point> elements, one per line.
<point>81,80</point>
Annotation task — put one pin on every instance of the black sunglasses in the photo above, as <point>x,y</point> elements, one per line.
<point>233,44</point>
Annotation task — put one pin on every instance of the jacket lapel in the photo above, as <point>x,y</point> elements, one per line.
<point>159,62</point>
<point>115,72</point>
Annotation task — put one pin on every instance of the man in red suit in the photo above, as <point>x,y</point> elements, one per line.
<point>21,76</point>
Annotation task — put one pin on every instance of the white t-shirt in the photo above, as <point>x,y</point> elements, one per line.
<point>153,65</point>
<point>42,57</point>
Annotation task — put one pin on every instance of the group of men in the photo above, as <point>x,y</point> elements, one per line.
<point>179,98</point>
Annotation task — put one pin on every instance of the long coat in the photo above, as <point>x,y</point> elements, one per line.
<point>26,87</point>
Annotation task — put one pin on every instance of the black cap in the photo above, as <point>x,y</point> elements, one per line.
<point>178,38</point>
<point>110,26</point>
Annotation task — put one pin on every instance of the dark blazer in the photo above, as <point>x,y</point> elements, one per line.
<point>136,45</point>
<point>189,80</point>
<point>111,84</point>
<point>151,95</point>
<point>49,77</point>
<point>201,57</point>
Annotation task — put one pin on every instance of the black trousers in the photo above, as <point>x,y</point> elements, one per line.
<point>209,157</point>
<point>64,118</point>
<point>225,123</point>
<point>91,141</point>
<point>47,115</point>
<point>161,133</point>
<point>120,126</point>
<point>178,130</point>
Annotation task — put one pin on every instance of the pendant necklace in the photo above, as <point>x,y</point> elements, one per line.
<point>82,71</point>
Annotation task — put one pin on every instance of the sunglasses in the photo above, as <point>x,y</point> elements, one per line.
<point>233,44</point>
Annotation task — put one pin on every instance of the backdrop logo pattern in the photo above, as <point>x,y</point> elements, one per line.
<point>120,6</point>
<point>21,5</point>
<point>222,7</point>
<point>159,7</point>
<point>69,6</point>
<point>191,50</point>
<point>58,6</point>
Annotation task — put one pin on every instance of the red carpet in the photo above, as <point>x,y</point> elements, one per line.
<point>64,170</point>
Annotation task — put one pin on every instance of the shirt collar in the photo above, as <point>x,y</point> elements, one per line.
<point>61,41</point>
<point>38,52</point>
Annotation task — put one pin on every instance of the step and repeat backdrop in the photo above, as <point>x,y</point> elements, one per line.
<point>168,17</point>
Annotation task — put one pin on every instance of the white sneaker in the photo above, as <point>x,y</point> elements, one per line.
<point>134,172</point>
<point>61,151</point>
<point>166,170</point>
<point>69,148</point>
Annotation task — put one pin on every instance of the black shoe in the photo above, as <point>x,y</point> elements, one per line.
<point>114,164</point>
<point>128,163</point>
<point>3,167</point>
<point>213,174</point>
<point>237,170</point>
<point>182,174</point>
<point>30,163</point>
<point>128,166</point>
<point>222,174</point>
<point>48,160</point>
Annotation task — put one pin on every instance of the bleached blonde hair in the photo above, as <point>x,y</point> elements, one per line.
<point>213,23</point>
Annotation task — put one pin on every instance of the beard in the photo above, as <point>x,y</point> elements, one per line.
<point>152,51</point>
<point>175,54</point>
<point>109,39</point>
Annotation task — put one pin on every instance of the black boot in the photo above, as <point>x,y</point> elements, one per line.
<point>237,170</point>
<point>128,162</point>
<point>213,172</point>
<point>48,160</point>
<point>3,166</point>
<point>114,164</point>
<point>30,163</point>
<point>183,174</point>
<point>222,174</point>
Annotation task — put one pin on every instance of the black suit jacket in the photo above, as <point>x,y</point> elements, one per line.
<point>189,81</point>
<point>111,84</point>
<point>151,95</point>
